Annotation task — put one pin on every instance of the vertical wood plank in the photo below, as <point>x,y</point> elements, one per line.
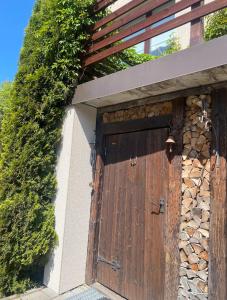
<point>156,188</point>
<point>218,221</point>
<point>130,231</point>
<point>173,211</point>
<point>172,216</point>
<point>91,263</point>
<point>197,27</point>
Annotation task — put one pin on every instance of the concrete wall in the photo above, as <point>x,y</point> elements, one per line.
<point>66,267</point>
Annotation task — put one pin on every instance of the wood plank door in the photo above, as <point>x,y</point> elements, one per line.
<point>131,258</point>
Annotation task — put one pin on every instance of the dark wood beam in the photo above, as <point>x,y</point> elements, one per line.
<point>172,220</point>
<point>92,250</point>
<point>218,219</point>
<point>136,125</point>
<point>196,32</point>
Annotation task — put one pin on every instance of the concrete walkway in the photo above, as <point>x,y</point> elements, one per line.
<point>46,294</point>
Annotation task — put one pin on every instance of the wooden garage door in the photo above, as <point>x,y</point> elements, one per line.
<point>131,258</point>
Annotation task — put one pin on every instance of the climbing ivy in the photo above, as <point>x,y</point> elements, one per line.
<point>49,70</point>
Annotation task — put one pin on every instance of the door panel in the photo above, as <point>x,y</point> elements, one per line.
<point>131,239</point>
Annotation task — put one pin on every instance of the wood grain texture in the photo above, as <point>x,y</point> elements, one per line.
<point>218,221</point>
<point>135,125</point>
<point>125,221</point>
<point>196,31</point>
<point>132,230</point>
<point>173,216</point>
<point>95,208</point>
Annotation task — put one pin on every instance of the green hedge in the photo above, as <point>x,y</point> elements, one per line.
<point>48,71</point>
<point>49,68</point>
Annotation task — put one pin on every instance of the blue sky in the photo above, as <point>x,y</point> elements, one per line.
<point>14,17</point>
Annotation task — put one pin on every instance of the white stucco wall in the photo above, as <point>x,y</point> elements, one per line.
<point>66,267</point>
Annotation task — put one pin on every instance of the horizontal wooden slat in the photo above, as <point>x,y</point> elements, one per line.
<point>135,125</point>
<point>181,20</point>
<point>128,18</point>
<point>119,12</point>
<point>144,24</point>
<point>103,4</point>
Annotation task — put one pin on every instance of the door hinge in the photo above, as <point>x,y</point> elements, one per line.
<point>114,264</point>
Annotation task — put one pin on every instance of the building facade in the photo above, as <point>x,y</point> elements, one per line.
<point>141,200</point>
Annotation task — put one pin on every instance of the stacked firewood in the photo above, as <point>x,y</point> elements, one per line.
<point>195,206</point>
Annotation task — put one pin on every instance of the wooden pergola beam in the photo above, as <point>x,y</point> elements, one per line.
<point>128,18</point>
<point>152,32</point>
<point>142,25</point>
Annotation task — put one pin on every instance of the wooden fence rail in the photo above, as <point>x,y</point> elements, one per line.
<point>116,27</point>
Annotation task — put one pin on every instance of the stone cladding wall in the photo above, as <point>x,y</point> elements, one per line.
<point>140,112</point>
<point>195,206</point>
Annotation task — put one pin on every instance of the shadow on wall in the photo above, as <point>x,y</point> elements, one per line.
<point>74,150</point>
<point>87,118</point>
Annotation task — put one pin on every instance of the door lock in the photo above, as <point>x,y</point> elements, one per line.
<point>162,205</point>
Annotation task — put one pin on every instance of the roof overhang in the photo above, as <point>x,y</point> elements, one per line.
<point>201,65</point>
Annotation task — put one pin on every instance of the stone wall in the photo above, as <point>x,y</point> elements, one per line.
<point>140,112</point>
<point>195,208</point>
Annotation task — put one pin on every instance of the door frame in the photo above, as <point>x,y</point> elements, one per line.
<point>175,120</point>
